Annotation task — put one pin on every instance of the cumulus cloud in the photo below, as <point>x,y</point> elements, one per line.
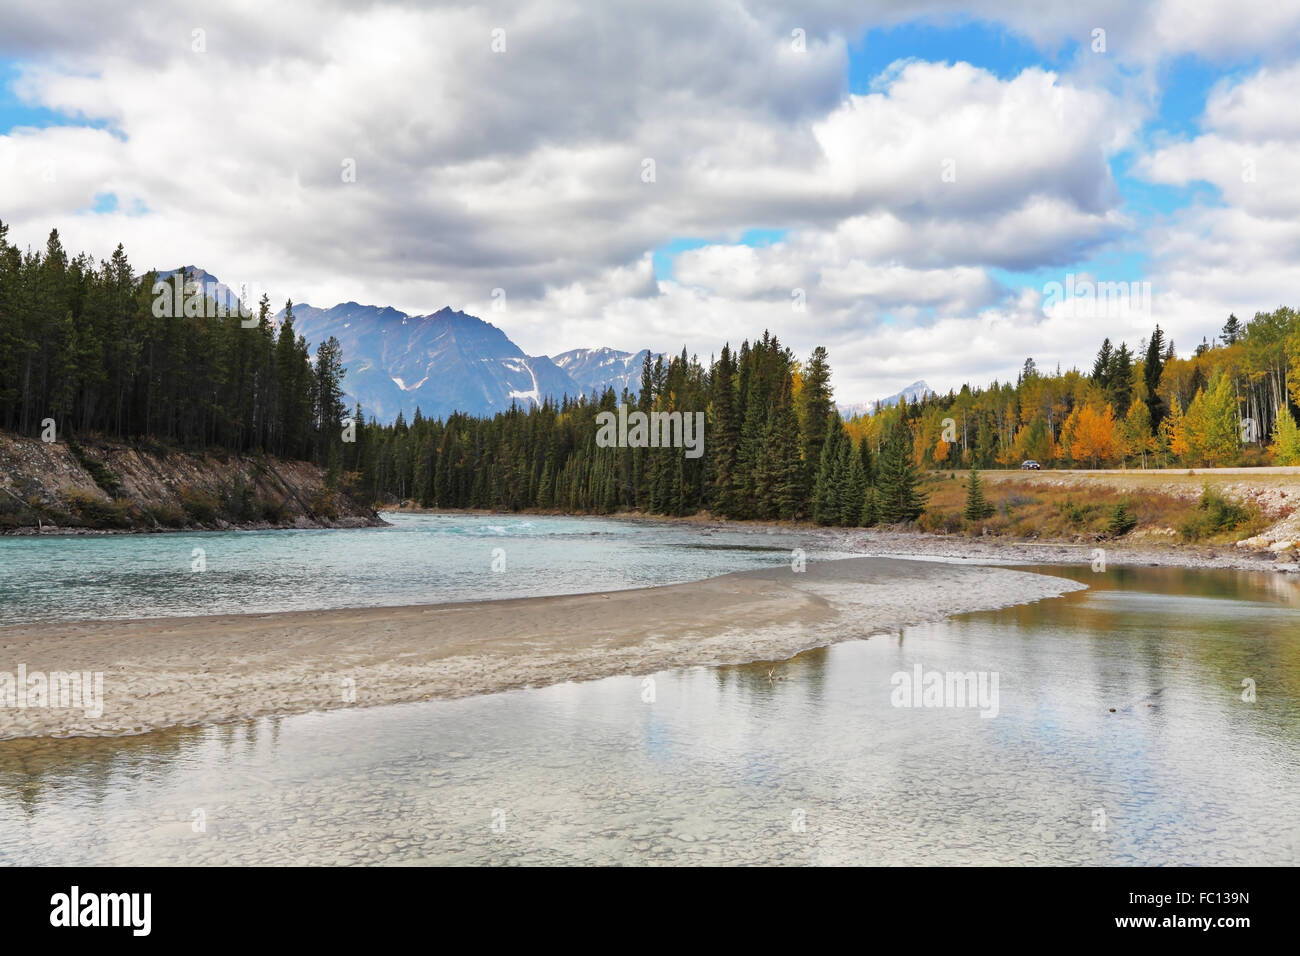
<point>225,136</point>
<point>1239,251</point>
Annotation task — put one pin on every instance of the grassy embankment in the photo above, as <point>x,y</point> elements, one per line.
<point>1211,506</point>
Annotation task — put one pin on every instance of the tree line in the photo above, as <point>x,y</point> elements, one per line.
<point>88,347</point>
<point>775,448</point>
<point>1232,401</point>
<point>94,349</point>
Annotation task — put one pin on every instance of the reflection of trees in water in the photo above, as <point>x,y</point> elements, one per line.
<point>1282,587</point>
<point>756,681</point>
<point>101,766</point>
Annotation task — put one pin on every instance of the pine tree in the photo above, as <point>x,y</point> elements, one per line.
<point>826,492</point>
<point>1120,385</point>
<point>870,508</point>
<point>854,489</point>
<point>1101,368</point>
<point>977,506</point>
<point>815,408</point>
<point>897,482</point>
<point>1122,521</point>
<point>1151,372</point>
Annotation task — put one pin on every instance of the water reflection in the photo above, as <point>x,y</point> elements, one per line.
<point>1121,705</point>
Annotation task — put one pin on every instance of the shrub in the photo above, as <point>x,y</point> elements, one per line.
<point>938,520</point>
<point>169,516</point>
<point>1077,515</point>
<point>1214,514</point>
<point>240,502</point>
<point>107,479</point>
<point>323,505</point>
<point>95,512</point>
<point>199,504</point>
<point>1011,502</point>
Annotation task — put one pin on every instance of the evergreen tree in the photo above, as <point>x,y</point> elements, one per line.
<point>1101,368</point>
<point>977,506</point>
<point>1151,372</point>
<point>815,409</point>
<point>899,498</point>
<point>1121,522</point>
<point>826,490</point>
<point>854,489</point>
<point>870,508</point>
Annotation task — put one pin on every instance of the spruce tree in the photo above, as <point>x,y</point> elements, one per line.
<point>854,488</point>
<point>1232,330</point>
<point>870,508</point>
<point>1121,521</point>
<point>815,408</point>
<point>977,506</point>
<point>1151,372</point>
<point>897,483</point>
<point>826,502</point>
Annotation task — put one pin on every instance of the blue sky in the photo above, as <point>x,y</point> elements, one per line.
<point>1185,83</point>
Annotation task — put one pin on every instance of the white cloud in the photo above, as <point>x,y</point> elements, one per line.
<point>1241,252</point>
<point>522,170</point>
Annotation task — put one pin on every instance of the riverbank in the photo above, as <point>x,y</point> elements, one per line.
<point>1248,520</point>
<point>1149,551</point>
<point>202,670</point>
<point>106,487</point>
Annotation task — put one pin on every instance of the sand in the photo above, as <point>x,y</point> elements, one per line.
<point>202,670</point>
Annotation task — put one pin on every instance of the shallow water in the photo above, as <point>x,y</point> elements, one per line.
<point>420,559</point>
<point>725,762</point>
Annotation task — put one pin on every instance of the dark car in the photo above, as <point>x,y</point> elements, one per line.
<point>1030,465</point>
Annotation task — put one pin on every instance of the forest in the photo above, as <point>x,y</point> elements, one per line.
<point>85,346</point>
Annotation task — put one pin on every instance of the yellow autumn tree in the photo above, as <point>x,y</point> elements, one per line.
<point>1173,432</point>
<point>1210,425</point>
<point>1135,433</point>
<point>1092,434</point>
<point>1286,439</point>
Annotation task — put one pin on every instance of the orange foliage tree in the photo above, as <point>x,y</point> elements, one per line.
<point>1092,433</point>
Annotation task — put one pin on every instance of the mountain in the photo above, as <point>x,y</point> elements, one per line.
<point>916,390</point>
<point>209,285</point>
<point>443,362</point>
<point>596,369</point>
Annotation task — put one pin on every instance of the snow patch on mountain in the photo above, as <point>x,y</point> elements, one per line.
<point>911,393</point>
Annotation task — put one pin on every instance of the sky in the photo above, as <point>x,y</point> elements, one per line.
<point>930,190</point>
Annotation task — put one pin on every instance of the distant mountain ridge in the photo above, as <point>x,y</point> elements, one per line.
<point>449,361</point>
<point>602,367</point>
<point>917,390</point>
<point>443,362</point>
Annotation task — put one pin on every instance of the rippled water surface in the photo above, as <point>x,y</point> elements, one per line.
<point>420,559</point>
<point>729,766</point>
